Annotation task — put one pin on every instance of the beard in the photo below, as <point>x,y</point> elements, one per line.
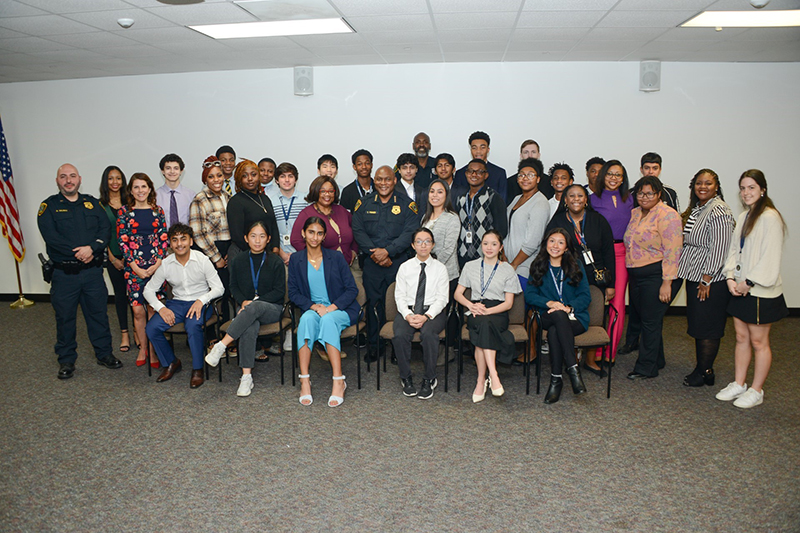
<point>422,153</point>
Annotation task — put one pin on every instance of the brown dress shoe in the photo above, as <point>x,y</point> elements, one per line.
<point>197,379</point>
<point>171,370</point>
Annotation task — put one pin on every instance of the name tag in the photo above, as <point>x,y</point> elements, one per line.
<point>468,237</point>
<point>588,258</point>
<point>286,239</point>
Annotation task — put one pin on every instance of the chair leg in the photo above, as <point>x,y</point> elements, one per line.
<point>281,343</point>
<point>607,351</point>
<point>527,370</point>
<point>458,360</point>
<point>446,358</point>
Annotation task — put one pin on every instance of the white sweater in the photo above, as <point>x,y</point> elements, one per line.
<point>760,258</point>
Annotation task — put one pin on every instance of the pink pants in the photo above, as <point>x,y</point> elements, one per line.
<point>620,284</point>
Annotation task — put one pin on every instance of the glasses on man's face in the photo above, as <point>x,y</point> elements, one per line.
<point>426,242</point>
<point>613,175</point>
<point>648,195</point>
<point>475,171</point>
<point>529,176</point>
<point>210,164</point>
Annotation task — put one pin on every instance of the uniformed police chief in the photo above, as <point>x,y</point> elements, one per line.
<point>76,230</point>
<point>383,223</point>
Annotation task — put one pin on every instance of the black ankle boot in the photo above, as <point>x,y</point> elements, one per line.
<point>554,392</point>
<point>708,377</point>
<point>575,378</point>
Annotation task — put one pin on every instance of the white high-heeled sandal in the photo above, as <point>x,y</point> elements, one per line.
<point>306,396</point>
<point>338,399</point>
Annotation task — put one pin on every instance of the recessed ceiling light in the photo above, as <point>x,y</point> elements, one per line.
<point>745,19</point>
<point>281,28</point>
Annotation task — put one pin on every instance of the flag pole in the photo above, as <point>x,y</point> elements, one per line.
<point>22,302</point>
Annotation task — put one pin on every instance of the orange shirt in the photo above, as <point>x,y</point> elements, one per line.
<point>654,237</point>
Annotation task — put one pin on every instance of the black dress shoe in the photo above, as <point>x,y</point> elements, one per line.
<point>636,375</point>
<point>371,356</point>
<point>361,340</point>
<point>66,371</point>
<point>699,378</point>
<point>596,371</point>
<point>554,392</point>
<point>628,348</point>
<point>394,359</point>
<point>110,362</point>
<point>574,374</point>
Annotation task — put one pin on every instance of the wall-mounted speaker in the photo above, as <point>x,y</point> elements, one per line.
<point>303,81</point>
<point>650,76</point>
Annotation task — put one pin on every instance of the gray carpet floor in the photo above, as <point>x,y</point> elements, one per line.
<point>112,450</point>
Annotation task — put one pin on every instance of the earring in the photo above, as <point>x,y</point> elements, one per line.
<point>762,195</point>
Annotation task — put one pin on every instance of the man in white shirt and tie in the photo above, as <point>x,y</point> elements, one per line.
<point>421,292</point>
<point>195,283</point>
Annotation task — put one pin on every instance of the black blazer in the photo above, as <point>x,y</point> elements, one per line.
<point>599,239</point>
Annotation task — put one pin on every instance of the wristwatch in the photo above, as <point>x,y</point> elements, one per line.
<point>749,283</point>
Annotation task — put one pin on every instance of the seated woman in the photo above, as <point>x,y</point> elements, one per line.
<point>322,286</point>
<point>563,307</point>
<point>142,231</point>
<point>258,285</point>
<point>494,283</point>
<point>323,197</point>
<point>593,241</point>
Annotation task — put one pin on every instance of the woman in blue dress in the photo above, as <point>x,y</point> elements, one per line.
<point>321,285</point>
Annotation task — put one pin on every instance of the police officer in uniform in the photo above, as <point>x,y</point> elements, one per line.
<point>76,230</point>
<point>383,224</point>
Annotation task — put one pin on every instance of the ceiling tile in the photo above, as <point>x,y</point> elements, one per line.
<point>31,45</point>
<point>12,8</point>
<point>540,34</point>
<point>765,34</point>
<point>478,21</point>
<point>134,51</point>
<point>349,49</point>
<point>64,57</point>
<point>388,37</point>
<point>470,57</point>
<point>699,34</point>
<point>45,25</point>
<point>483,34</point>
<point>625,34</point>
<point>733,5</point>
<point>5,33</point>
<point>559,19</point>
<point>386,7</point>
<point>568,5</point>
<point>175,34</point>
<point>408,49</point>
<point>646,19</point>
<point>413,58</point>
<point>107,20</point>
<point>261,43</point>
<point>203,14</point>
<point>622,47</point>
<point>75,6</point>
<point>541,46</point>
<point>534,56</point>
<point>365,59</point>
<point>592,55</point>
<point>396,23</point>
<point>674,5</point>
<point>325,40</point>
<point>97,40</point>
<point>474,6</point>
<point>481,47</point>
<point>674,46</point>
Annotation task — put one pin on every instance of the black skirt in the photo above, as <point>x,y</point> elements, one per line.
<point>754,310</point>
<point>706,320</point>
<point>491,332</point>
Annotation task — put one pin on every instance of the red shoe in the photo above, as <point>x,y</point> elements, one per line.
<point>141,362</point>
<point>155,364</point>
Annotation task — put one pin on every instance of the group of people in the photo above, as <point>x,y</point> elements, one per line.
<point>471,238</point>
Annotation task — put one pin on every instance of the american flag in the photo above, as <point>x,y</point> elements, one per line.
<point>9,215</point>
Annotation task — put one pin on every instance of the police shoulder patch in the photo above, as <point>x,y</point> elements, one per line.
<point>42,208</point>
<point>358,204</point>
<point>413,207</point>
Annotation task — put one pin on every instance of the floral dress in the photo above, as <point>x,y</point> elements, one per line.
<point>142,238</point>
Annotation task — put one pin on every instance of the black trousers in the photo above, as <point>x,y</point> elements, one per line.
<point>87,289</point>
<point>561,333</point>
<point>121,302</point>
<point>429,337</point>
<point>644,285</point>
<point>376,281</point>
<point>225,278</point>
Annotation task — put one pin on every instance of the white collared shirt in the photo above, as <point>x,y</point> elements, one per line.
<point>198,280</point>
<point>437,286</point>
<point>409,188</point>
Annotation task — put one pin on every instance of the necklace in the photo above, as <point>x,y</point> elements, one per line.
<point>259,203</point>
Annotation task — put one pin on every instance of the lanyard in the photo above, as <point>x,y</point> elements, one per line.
<point>361,191</point>
<point>579,229</point>
<point>469,205</point>
<point>741,236</point>
<point>558,282</point>
<point>484,287</point>
<point>253,273</point>
<point>287,214</point>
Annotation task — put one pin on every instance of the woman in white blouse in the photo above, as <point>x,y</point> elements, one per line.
<point>753,274</point>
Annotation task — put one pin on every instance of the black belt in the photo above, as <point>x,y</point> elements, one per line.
<point>619,241</point>
<point>73,267</point>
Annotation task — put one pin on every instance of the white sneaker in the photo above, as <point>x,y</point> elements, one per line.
<point>216,353</point>
<point>245,385</point>
<point>749,399</point>
<point>287,342</point>
<point>731,392</point>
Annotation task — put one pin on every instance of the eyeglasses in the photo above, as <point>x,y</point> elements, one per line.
<point>648,195</point>
<point>327,191</point>
<point>475,171</point>
<point>426,242</point>
<point>613,174</point>
<point>529,176</point>
<point>210,164</point>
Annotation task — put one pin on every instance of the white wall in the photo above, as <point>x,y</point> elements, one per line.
<point>729,117</point>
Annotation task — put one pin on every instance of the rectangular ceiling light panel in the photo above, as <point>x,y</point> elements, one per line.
<point>281,28</point>
<point>745,19</point>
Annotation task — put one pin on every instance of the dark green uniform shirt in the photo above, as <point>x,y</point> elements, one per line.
<point>65,225</point>
<point>387,225</point>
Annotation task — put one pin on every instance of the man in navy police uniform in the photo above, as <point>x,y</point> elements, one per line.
<point>76,231</point>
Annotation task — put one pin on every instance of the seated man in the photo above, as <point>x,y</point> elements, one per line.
<point>421,292</point>
<point>194,282</point>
